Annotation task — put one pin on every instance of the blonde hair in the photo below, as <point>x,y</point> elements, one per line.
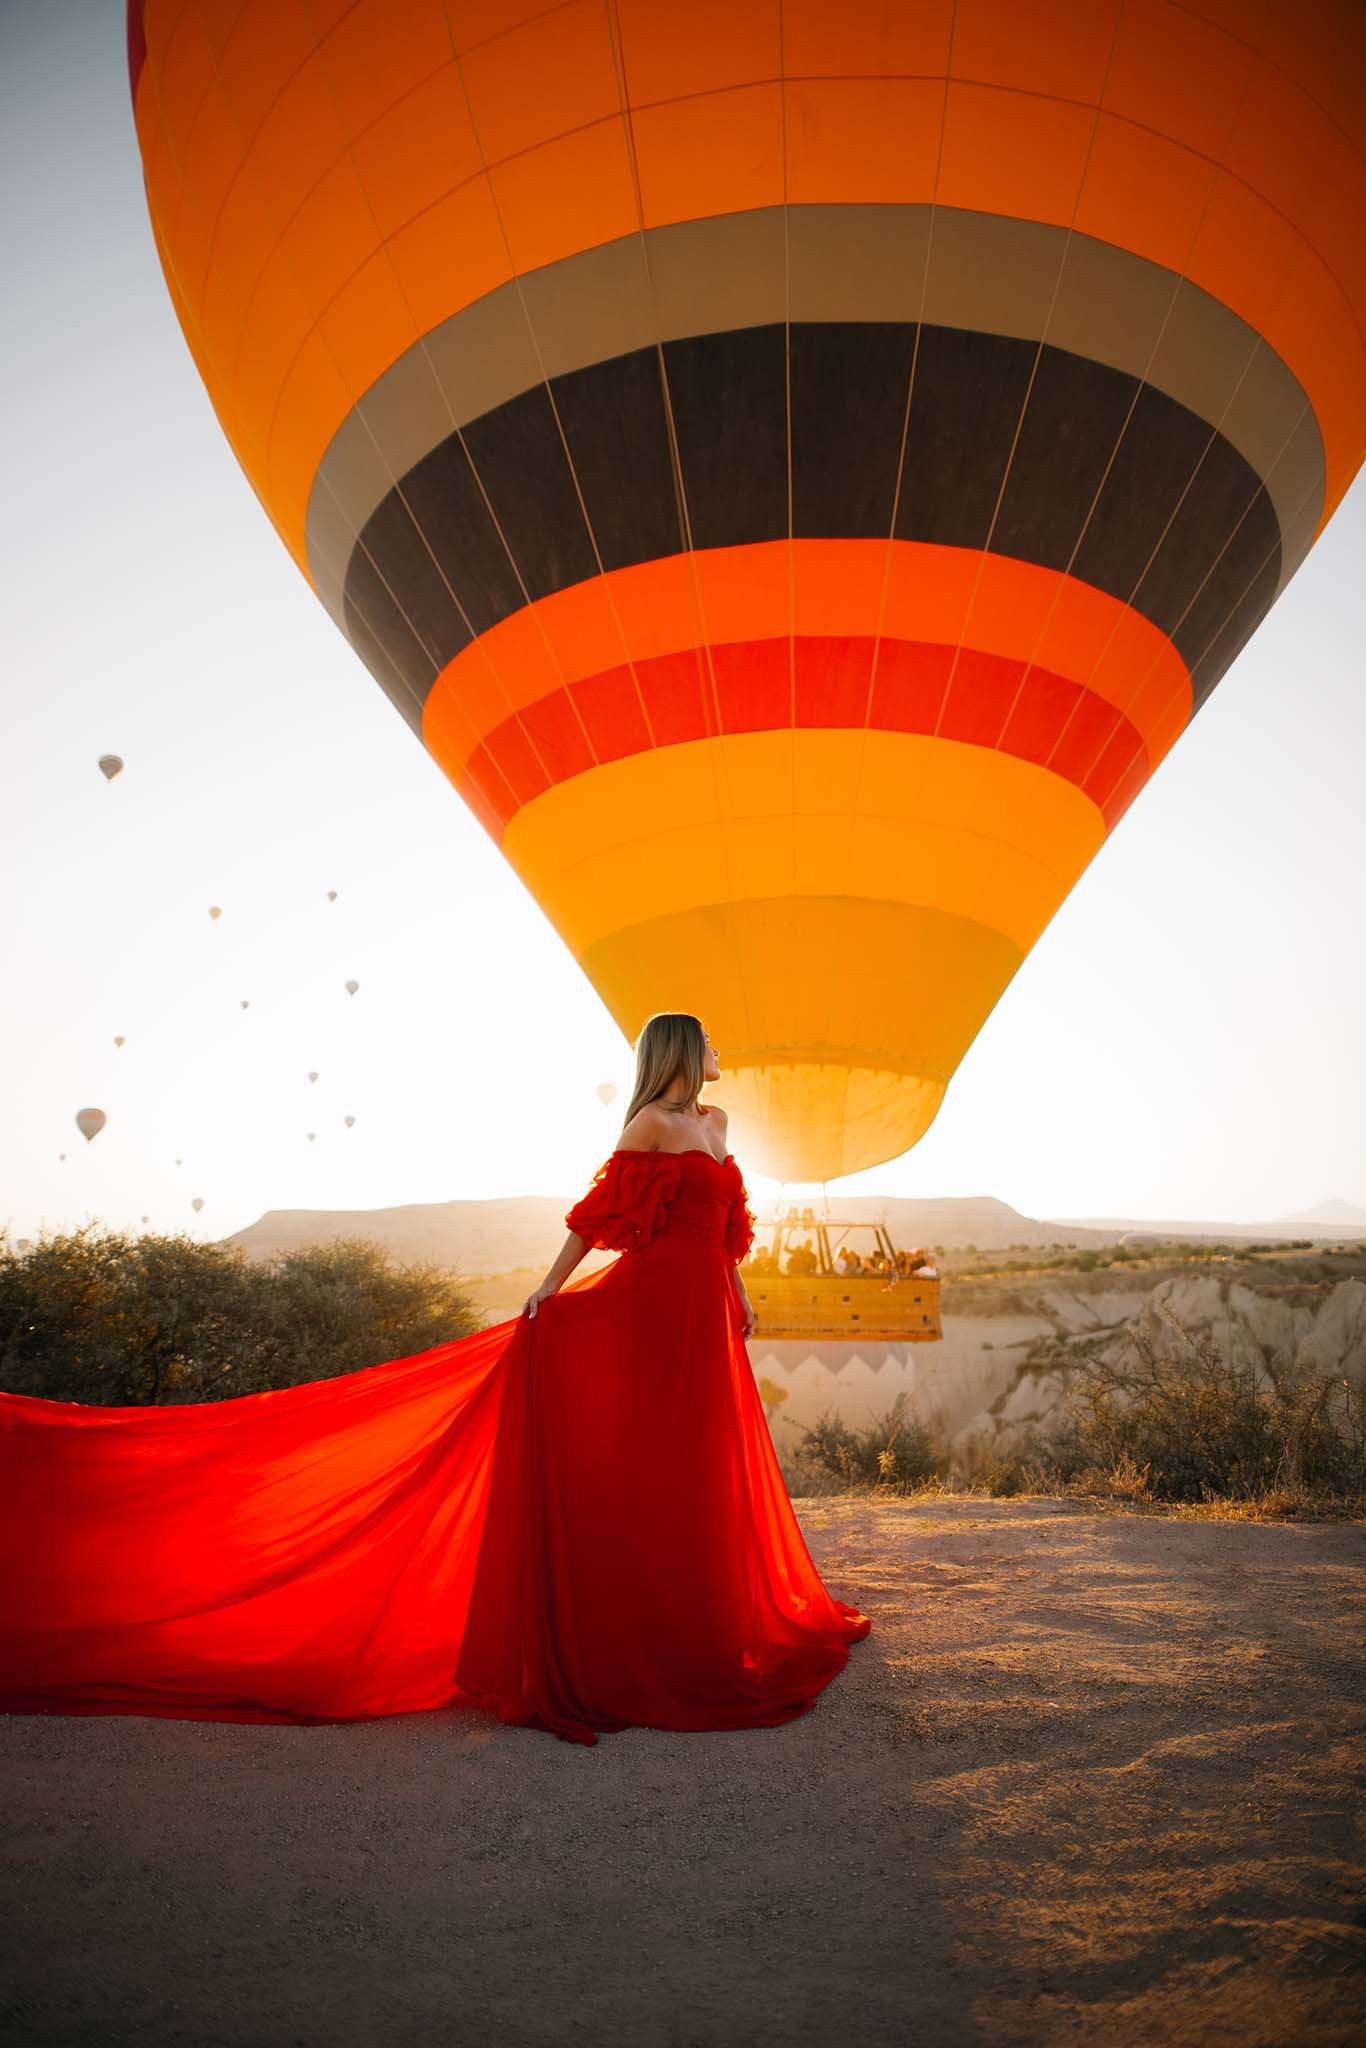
<point>672,1042</point>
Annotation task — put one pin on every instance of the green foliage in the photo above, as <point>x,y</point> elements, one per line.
<point>890,1453</point>
<point>113,1320</point>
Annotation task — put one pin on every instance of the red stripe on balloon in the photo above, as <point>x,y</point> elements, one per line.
<point>816,681</point>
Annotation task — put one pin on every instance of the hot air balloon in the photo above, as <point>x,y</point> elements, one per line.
<point>120,1041</point>
<point>90,1122</point>
<point>607,1091</point>
<point>60,1157</point>
<point>26,1244</point>
<point>331,895</point>
<point>146,1219</point>
<point>246,1005</point>
<point>180,1162</point>
<point>312,1077</point>
<point>311,1136</point>
<point>110,766</point>
<point>351,987</point>
<point>798,471</point>
<point>348,1121</point>
<point>197,1204</point>
<point>214,911</point>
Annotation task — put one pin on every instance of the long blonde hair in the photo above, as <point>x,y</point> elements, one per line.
<point>671,1042</point>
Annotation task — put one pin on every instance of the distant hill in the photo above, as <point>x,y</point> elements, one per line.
<point>1335,1211</point>
<point>1334,1220</point>
<point>510,1232</point>
<point>514,1231</point>
<point>490,1236</point>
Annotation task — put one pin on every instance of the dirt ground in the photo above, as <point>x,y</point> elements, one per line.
<point>1093,1776</point>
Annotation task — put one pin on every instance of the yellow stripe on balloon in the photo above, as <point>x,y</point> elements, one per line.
<point>887,816</point>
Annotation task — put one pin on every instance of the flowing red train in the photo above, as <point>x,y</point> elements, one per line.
<point>576,1519</point>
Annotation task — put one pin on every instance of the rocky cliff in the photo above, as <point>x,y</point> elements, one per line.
<point>1012,1347</point>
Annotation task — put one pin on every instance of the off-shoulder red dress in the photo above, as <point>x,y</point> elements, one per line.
<point>574,1520</point>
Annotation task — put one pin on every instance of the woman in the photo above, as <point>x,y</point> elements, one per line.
<point>574,1519</point>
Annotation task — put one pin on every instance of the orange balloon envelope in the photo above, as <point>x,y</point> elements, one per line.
<point>798,470</point>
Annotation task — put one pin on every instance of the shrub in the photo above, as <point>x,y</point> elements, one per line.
<point>890,1453</point>
<point>114,1320</point>
<point>1204,1428</point>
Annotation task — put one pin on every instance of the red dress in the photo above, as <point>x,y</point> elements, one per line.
<point>575,1520</point>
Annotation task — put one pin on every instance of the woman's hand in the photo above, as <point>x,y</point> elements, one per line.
<point>746,1312</point>
<point>537,1296</point>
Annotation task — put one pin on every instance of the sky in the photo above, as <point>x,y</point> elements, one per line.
<point>1185,1040</point>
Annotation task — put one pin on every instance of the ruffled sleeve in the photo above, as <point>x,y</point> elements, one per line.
<point>739,1225</point>
<point>626,1203</point>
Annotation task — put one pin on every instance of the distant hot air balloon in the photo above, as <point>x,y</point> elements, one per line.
<point>214,911</point>
<point>349,1121</point>
<point>60,1157</point>
<point>607,1091</point>
<point>351,987</point>
<point>146,1219</point>
<point>110,766</point>
<point>246,1005</point>
<point>311,1136</point>
<point>312,1077</point>
<point>26,1244</point>
<point>331,895</point>
<point>798,477</point>
<point>90,1122</point>
<point>180,1162</point>
<point>119,1041</point>
<point>197,1204</point>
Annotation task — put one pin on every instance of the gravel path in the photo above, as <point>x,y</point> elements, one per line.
<point>1093,1776</point>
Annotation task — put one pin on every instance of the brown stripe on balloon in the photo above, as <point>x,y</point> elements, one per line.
<point>746,687</point>
<point>824,265</point>
<point>1143,511</point>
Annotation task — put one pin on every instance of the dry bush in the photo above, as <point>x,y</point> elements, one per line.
<point>1201,1427</point>
<point>890,1454</point>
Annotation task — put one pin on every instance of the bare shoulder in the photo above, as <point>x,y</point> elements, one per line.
<point>715,1109</point>
<point>643,1132</point>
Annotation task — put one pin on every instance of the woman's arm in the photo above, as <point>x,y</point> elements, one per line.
<point>746,1306</point>
<point>568,1256</point>
<point>741,1292</point>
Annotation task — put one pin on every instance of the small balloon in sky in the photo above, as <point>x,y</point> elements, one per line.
<point>606,1091</point>
<point>246,1006</point>
<point>26,1244</point>
<point>351,987</point>
<point>61,1155</point>
<point>331,895</point>
<point>90,1122</point>
<point>197,1204</point>
<point>349,1121</point>
<point>312,1074</point>
<point>214,910</point>
<point>119,1041</point>
<point>311,1136</point>
<point>110,766</point>
<point>180,1162</point>
<point>146,1219</point>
